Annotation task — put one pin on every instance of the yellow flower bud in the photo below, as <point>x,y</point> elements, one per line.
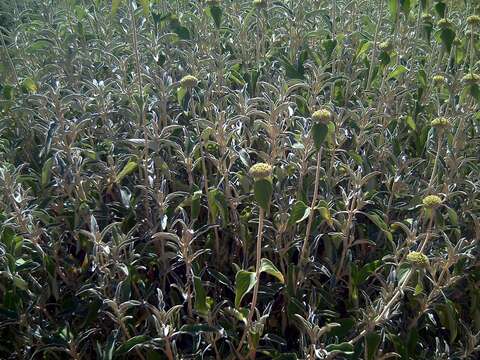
<point>322,116</point>
<point>440,122</point>
<point>260,171</point>
<point>189,81</point>
<point>473,20</point>
<point>431,201</point>
<point>418,259</point>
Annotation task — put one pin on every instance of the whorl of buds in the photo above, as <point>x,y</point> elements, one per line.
<point>471,79</point>
<point>431,201</point>
<point>386,46</point>
<point>427,18</point>
<point>189,81</point>
<point>473,20</point>
<point>439,80</point>
<point>322,116</point>
<point>260,171</point>
<point>440,122</point>
<point>417,259</point>
<point>444,23</point>
<point>260,4</point>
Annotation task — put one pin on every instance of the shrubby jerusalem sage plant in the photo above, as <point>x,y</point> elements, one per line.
<point>248,179</point>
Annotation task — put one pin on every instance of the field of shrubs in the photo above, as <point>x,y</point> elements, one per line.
<point>238,179</point>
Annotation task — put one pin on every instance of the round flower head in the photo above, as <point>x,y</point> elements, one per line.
<point>444,23</point>
<point>471,79</point>
<point>438,80</point>
<point>189,81</point>
<point>427,18</point>
<point>431,201</point>
<point>457,41</point>
<point>473,20</point>
<point>440,122</point>
<point>417,259</point>
<point>322,116</point>
<point>260,171</point>
<point>386,46</point>
<point>260,3</point>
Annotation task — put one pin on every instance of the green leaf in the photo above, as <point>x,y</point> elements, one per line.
<point>263,191</point>
<point>418,288</point>
<point>326,215</point>
<point>8,92</point>
<point>215,12</point>
<point>405,6</point>
<point>411,123</point>
<point>447,36</point>
<point>128,169</point>
<point>19,282</point>
<point>200,296</point>
<point>452,216</point>
<point>345,348</point>
<point>218,205</point>
<point>319,134</point>
<point>28,85</point>
<point>286,356</point>
<point>448,317</point>
<point>393,8</point>
<point>46,171</point>
<point>115,5</point>
<point>182,32</point>
<point>181,92</point>
<point>145,6</point>
<point>268,267</point>
<point>300,212</point>
<point>440,8</point>
<point>195,208</point>
<point>373,341</point>
<point>399,70</point>
<point>403,272</point>
<point>363,49</point>
<point>290,70</point>
<point>197,329</point>
<point>422,78</point>
<point>131,343</point>
<point>244,282</point>
<point>329,45</point>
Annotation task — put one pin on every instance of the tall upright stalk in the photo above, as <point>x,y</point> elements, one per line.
<point>142,124</point>
<point>305,248</point>
<point>253,305</point>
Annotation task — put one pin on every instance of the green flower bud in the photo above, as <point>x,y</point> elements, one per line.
<point>427,18</point>
<point>444,23</point>
<point>439,80</point>
<point>189,81</point>
<point>260,4</point>
<point>260,171</point>
<point>322,116</point>
<point>473,20</point>
<point>431,201</point>
<point>386,46</point>
<point>440,122</point>
<point>418,259</point>
<point>471,79</point>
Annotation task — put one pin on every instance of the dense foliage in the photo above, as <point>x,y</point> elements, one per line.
<point>239,179</point>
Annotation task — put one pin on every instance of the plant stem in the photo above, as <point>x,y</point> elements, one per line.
<point>305,253</point>
<point>142,111</point>
<point>374,51</point>
<point>399,290</point>
<point>437,156</point>
<point>261,218</point>
<point>14,71</point>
